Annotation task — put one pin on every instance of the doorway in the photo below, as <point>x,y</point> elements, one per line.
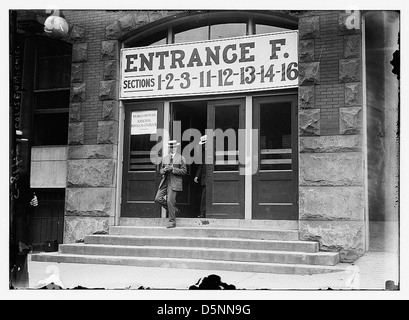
<point>224,183</point>
<point>189,115</point>
<point>275,183</point>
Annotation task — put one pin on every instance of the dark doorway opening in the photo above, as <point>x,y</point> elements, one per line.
<point>191,115</point>
<point>47,219</point>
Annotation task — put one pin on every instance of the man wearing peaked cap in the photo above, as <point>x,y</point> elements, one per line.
<point>201,175</point>
<point>172,168</point>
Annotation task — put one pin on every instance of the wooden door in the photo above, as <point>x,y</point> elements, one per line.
<point>225,184</point>
<point>140,178</point>
<point>275,184</point>
<point>47,219</point>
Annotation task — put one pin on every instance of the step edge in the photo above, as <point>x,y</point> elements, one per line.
<point>203,228</point>
<point>249,263</point>
<point>117,236</point>
<point>107,246</point>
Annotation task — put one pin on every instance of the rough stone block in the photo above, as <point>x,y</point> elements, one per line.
<point>127,24</point>
<point>79,52</point>
<point>110,110</point>
<point>352,46</point>
<point>77,34</point>
<point>104,151</point>
<point>347,143</point>
<point>76,228</point>
<point>309,122</point>
<point>159,14</point>
<point>78,92</point>
<point>306,50</point>
<point>113,31</point>
<point>331,203</point>
<point>353,94</point>
<point>331,169</point>
<point>349,23</point>
<point>107,90</point>
<point>350,120</point>
<point>107,132</point>
<point>349,70</point>
<point>91,173</point>
<point>110,69</point>
<point>94,202</point>
<point>76,133</point>
<point>109,50</point>
<point>306,96</point>
<point>345,237</point>
<point>77,72</point>
<point>309,73</point>
<point>132,21</point>
<point>75,112</point>
<point>309,27</point>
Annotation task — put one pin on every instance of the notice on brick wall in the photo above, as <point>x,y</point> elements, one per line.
<point>144,122</point>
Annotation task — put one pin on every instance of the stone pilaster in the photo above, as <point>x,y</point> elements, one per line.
<point>91,190</point>
<point>331,173</point>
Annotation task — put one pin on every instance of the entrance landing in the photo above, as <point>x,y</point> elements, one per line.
<point>213,223</point>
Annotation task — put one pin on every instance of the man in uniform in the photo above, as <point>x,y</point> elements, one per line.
<point>172,168</point>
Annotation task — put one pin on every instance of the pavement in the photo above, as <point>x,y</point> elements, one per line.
<point>369,274</point>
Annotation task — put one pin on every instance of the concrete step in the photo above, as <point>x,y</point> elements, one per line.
<point>265,256</point>
<point>256,267</point>
<point>204,242</point>
<point>261,234</point>
<point>213,223</point>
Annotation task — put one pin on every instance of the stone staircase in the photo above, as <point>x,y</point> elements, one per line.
<point>200,244</point>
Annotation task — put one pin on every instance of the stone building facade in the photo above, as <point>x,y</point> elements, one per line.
<point>333,184</point>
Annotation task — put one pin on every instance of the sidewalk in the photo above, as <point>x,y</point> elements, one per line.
<point>370,272</point>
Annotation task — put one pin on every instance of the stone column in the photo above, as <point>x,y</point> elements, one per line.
<point>331,175</point>
<point>91,177</point>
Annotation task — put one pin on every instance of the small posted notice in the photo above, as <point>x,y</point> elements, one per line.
<point>144,122</point>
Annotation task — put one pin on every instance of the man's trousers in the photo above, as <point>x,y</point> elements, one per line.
<point>170,202</point>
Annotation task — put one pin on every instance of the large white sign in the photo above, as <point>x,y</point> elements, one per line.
<point>260,62</point>
<point>144,122</point>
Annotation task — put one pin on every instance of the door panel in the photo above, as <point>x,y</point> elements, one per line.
<point>140,179</point>
<point>47,219</point>
<point>275,185</point>
<point>225,184</point>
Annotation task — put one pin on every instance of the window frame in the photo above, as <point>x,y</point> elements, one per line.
<point>36,92</point>
<point>194,19</point>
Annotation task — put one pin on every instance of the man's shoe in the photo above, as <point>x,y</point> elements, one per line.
<point>201,216</point>
<point>171,225</point>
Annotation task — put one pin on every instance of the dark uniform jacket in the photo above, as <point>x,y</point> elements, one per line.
<point>179,169</point>
<point>201,174</point>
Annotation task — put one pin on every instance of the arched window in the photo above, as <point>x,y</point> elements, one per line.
<point>211,25</point>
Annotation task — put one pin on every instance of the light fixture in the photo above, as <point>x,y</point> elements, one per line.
<point>55,24</point>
